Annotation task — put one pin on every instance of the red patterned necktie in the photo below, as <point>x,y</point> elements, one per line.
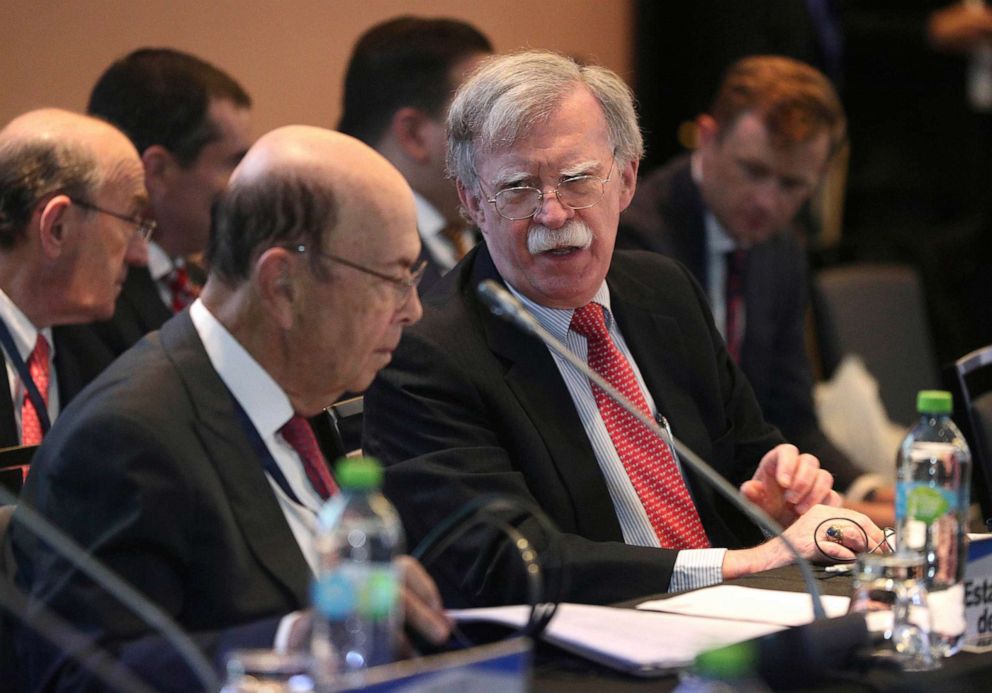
<point>38,367</point>
<point>648,461</point>
<point>299,435</point>
<point>736,266</point>
<point>183,290</point>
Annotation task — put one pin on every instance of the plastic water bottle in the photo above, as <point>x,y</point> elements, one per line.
<point>932,497</point>
<point>356,590</point>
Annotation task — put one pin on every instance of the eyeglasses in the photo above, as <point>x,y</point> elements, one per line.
<point>402,286</point>
<point>578,192</point>
<point>144,227</point>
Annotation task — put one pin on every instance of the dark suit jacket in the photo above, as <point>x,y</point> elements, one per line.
<point>433,272</point>
<point>150,470</point>
<point>470,407</point>
<point>666,217</point>
<point>79,357</point>
<point>139,310</point>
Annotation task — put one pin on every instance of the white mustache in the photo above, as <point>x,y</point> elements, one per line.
<point>574,234</point>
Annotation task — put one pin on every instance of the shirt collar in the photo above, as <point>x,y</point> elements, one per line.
<point>557,320</point>
<point>429,220</point>
<point>22,330</point>
<point>159,262</point>
<point>259,395</point>
<point>717,239</point>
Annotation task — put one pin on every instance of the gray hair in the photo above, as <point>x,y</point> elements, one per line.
<point>494,107</point>
<point>278,209</point>
<point>32,168</point>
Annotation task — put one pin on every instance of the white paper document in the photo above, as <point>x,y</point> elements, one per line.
<point>640,642</point>
<point>735,603</point>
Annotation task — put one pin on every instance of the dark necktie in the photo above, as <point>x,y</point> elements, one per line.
<point>299,435</point>
<point>38,367</point>
<point>649,462</point>
<point>736,312</point>
<point>182,288</point>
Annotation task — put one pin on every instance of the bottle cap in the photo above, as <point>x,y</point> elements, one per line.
<point>731,662</point>
<point>359,474</point>
<point>934,402</point>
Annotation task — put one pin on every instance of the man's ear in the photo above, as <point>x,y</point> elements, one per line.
<point>52,224</point>
<point>707,131</point>
<point>407,127</point>
<point>275,282</point>
<point>472,204</point>
<point>159,165</point>
<point>628,183</point>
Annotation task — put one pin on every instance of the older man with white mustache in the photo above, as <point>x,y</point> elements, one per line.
<point>545,156</point>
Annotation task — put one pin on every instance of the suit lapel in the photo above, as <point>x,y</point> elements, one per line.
<point>252,500</point>
<point>534,379</point>
<point>688,230</point>
<point>142,293</point>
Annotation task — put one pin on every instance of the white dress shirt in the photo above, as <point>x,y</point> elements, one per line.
<point>25,335</point>
<point>430,222</point>
<point>693,567</point>
<point>268,409</point>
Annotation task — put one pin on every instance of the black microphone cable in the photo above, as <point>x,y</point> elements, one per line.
<point>140,605</point>
<point>69,639</point>
<point>483,511</point>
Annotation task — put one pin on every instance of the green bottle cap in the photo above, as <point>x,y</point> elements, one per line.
<point>934,402</point>
<point>731,662</point>
<point>359,474</point>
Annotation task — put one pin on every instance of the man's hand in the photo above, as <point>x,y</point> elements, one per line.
<point>422,608</point>
<point>843,546</point>
<point>787,484</point>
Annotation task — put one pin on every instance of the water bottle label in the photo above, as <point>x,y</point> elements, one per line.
<point>371,591</point>
<point>923,502</point>
<point>333,595</point>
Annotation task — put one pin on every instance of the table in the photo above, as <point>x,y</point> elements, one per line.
<point>556,671</point>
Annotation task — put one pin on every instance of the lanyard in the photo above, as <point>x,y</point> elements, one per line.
<point>262,451</point>
<point>22,370</point>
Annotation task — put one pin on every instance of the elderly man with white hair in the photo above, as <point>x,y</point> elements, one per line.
<point>545,155</point>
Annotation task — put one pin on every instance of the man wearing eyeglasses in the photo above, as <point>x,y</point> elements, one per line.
<point>209,477</point>
<point>72,198</point>
<point>545,155</point>
<point>191,124</point>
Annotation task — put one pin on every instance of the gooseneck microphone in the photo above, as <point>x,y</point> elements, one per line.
<point>130,597</point>
<point>504,305</point>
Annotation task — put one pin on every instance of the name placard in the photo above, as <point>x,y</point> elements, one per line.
<point>978,594</point>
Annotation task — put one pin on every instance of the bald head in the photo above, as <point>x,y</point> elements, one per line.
<point>52,151</point>
<point>301,185</point>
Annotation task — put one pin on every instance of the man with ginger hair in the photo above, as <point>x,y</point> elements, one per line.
<point>728,212</point>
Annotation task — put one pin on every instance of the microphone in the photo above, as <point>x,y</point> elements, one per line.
<point>504,305</point>
<point>788,658</point>
<point>140,605</point>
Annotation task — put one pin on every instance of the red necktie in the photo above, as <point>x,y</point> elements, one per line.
<point>183,290</point>
<point>736,266</point>
<point>31,433</point>
<point>299,435</point>
<point>648,461</point>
